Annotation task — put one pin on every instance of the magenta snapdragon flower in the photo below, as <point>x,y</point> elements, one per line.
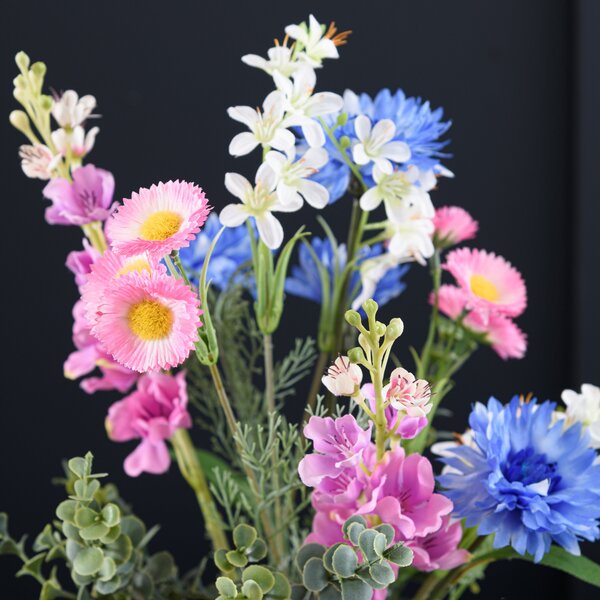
<point>86,199</point>
<point>152,413</point>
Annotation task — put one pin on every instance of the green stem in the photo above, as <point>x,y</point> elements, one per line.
<point>180,267</point>
<point>192,472</point>
<point>269,375</point>
<point>311,400</point>
<point>423,593</point>
<point>436,272</point>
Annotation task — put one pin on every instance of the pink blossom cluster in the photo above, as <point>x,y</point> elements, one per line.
<point>398,490</point>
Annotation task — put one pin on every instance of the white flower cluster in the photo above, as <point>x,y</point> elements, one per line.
<point>282,181</point>
<point>70,138</point>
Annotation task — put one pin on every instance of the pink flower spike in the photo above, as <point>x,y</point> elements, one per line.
<point>152,413</point>
<point>86,199</point>
<point>338,443</point>
<point>343,377</point>
<point>454,225</point>
<point>148,322</point>
<point>491,284</point>
<point>158,220</point>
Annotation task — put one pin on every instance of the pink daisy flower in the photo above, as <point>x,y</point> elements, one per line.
<point>491,284</point>
<point>158,220</point>
<point>148,322</point>
<point>106,269</point>
<point>454,225</point>
<point>503,335</point>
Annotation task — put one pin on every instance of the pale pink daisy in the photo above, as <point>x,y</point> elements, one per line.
<point>158,220</point>
<point>454,225</point>
<point>148,322</point>
<point>106,269</point>
<point>503,335</point>
<point>491,283</point>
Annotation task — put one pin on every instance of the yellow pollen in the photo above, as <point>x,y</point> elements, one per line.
<point>481,286</point>
<point>160,225</point>
<point>150,320</point>
<point>137,264</point>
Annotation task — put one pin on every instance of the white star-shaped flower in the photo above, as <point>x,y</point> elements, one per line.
<point>70,110</point>
<point>316,46</point>
<point>280,60</point>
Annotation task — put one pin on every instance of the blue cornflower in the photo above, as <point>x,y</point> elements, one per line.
<point>231,252</point>
<point>526,479</point>
<point>416,124</point>
<point>305,282</point>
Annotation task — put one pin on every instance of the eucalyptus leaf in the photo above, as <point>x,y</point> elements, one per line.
<point>314,575</point>
<point>344,561</point>
<point>88,561</point>
<point>355,589</point>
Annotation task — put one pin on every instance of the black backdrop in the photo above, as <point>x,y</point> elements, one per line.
<point>519,80</point>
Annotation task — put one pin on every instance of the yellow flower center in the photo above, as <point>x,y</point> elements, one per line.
<point>137,264</point>
<point>150,320</point>
<point>481,286</point>
<point>160,225</point>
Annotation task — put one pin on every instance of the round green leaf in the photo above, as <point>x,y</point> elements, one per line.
<point>251,590</point>
<point>388,531</point>
<point>400,555</point>
<point>94,532</point>
<point>88,561</point>
<point>355,589</point>
<point>111,515</point>
<point>356,519</point>
<point>108,569</point>
<point>134,528</point>
<point>120,549</point>
<point>112,535</point>
<point>236,558</point>
<point>84,517</point>
<point>314,575</point>
<point>328,557</point>
<point>221,561</point>
<point>257,551</point>
<point>261,575</point>
<point>282,589</point>
<point>244,536</point>
<point>65,511</point>
<point>307,552</point>
<point>226,587</point>
<point>344,561</point>
<point>108,587</point>
<point>78,466</point>
<point>382,573</point>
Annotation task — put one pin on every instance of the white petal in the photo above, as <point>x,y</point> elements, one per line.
<point>266,176</point>
<point>384,165</point>
<point>305,80</point>
<point>90,138</point>
<point>397,151</point>
<point>396,210</point>
<point>326,49</point>
<point>383,132</point>
<point>273,105</point>
<point>370,200</point>
<point>359,155</point>
<point>287,194</point>
<point>253,60</point>
<point>283,83</point>
<point>283,139</point>
<point>233,215</point>
<point>237,185</point>
<point>313,132</point>
<point>323,103</point>
<point>314,193</point>
<point>292,203</point>
<point>315,158</point>
<point>351,102</point>
<point>296,32</point>
<point>276,161</point>
<point>362,127</point>
<point>244,114</point>
<point>270,230</point>
<point>242,144</point>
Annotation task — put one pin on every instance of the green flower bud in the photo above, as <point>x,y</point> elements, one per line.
<point>395,329</point>
<point>38,69</point>
<point>380,328</point>
<point>345,142</point>
<point>364,342</point>
<point>46,103</point>
<point>342,119</point>
<point>22,61</point>
<point>370,307</point>
<point>352,318</point>
<point>20,82</point>
<point>19,120</point>
<point>356,355</point>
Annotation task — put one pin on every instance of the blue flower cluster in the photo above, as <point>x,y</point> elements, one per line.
<point>231,252</point>
<point>416,124</point>
<point>305,281</point>
<point>527,479</point>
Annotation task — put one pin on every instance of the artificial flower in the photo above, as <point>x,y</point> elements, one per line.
<point>69,110</point>
<point>158,220</point>
<point>408,394</point>
<point>372,272</point>
<point>148,321</point>
<point>80,262</point>
<point>315,45</point>
<point>304,279</point>
<point>410,233</point>
<point>375,144</point>
<point>258,201</point>
<point>266,128</point>
<point>90,356</point>
<point>527,480</point>
<point>454,225</point>
<point>499,331</point>
<point>86,199</point>
<point>75,142</point>
<point>293,183</point>
<point>343,378</point>
<point>491,284</point>
<point>280,60</point>
<point>338,444</point>
<point>152,413</point>
<point>302,105</point>
<point>37,161</point>
<point>231,253</point>
<point>584,408</point>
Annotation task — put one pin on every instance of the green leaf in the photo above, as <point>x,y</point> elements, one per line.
<point>251,590</point>
<point>8,546</point>
<point>282,589</point>
<point>65,511</point>
<point>314,575</point>
<point>84,517</point>
<point>161,566</point>
<point>331,592</point>
<point>108,587</point>
<point>45,540</point>
<point>50,591</point>
<point>121,549</point>
<point>134,528</point>
<point>400,555</point>
<point>237,558</point>
<point>244,536</point>
<point>366,542</point>
<point>258,551</point>
<point>226,587</point>
<point>221,561</point>
<point>94,532</point>
<point>210,462</point>
<point>355,589</point>
<point>107,570</point>
<point>88,561</point>
<point>328,557</point>
<point>307,552</point>
<point>112,535</point>
<point>78,466</point>
<point>33,566</point>
<point>356,525</point>
<point>261,575</point>
<point>111,515</point>
<point>344,561</point>
<point>388,531</point>
<point>382,573</point>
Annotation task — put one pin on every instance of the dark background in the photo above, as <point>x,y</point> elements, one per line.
<point>519,80</point>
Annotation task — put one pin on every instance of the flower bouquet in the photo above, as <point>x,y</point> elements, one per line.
<point>178,307</point>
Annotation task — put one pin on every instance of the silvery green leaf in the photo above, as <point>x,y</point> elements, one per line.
<point>261,575</point>
<point>244,536</point>
<point>226,587</point>
<point>355,589</point>
<point>307,552</point>
<point>88,561</point>
<point>344,561</point>
<point>388,531</point>
<point>382,573</point>
<point>400,555</point>
<point>314,575</point>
